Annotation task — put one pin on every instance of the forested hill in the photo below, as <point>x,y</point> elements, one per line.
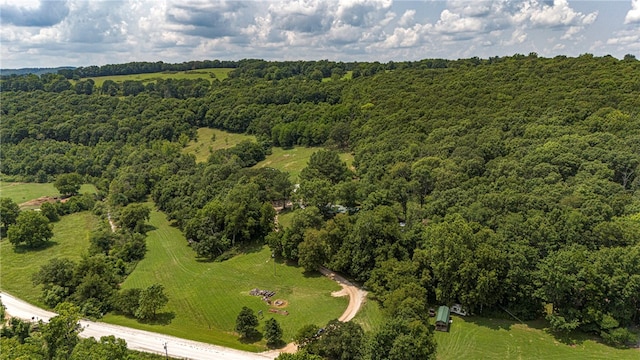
<point>504,183</point>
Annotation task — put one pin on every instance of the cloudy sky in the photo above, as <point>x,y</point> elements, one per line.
<point>51,33</point>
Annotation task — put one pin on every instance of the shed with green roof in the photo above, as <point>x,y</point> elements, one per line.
<point>442,318</point>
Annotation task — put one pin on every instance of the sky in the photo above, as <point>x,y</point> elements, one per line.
<point>52,33</point>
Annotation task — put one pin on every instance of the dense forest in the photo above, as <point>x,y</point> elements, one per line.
<point>503,183</point>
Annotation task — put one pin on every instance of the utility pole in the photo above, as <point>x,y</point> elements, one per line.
<point>273,256</point>
<point>166,352</point>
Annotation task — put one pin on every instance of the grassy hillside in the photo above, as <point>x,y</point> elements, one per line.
<point>70,240</point>
<point>206,297</point>
<point>23,192</point>
<point>213,139</point>
<point>209,74</point>
<point>482,338</point>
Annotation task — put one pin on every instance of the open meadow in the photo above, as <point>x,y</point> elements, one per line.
<point>484,338</point>
<point>213,139</point>
<point>21,193</point>
<point>209,74</point>
<point>206,297</point>
<point>295,159</point>
<point>70,240</point>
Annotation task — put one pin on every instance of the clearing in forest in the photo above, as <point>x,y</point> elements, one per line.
<point>295,159</point>
<point>209,74</point>
<point>210,140</point>
<point>31,195</point>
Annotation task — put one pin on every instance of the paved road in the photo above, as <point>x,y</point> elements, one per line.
<point>138,339</point>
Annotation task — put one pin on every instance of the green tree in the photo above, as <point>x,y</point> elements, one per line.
<point>68,184</point>
<point>127,301</point>
<point>61,333</point>
<point>31,229</point>
<point>9,212</point>
<point>273,332</point>
<point>108,348</point>
<point>325,164</point>
<point>133,216</point>
<point>246,323</point>
<point>151,300</point>
<point>50,211</point>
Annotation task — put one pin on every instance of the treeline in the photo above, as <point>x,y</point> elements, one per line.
<point>476,181</point>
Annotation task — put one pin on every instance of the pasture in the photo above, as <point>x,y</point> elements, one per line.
<point>70,240</point>
<point>206,297</point>
<point>209,74</point>
<point>483,338</point>
<point>20,193</point>
<point>209,140</point>
<point>295,159</point>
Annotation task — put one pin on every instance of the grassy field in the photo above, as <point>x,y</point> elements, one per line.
<point>482,338</point>
<point>219,73</point>
<point>23,192</point>
<point>206,297</point>
<point>70,240</point>
<point>207,142</point>
<point>295,159</point>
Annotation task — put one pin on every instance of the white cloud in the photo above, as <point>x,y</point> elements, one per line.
<point>633,16</point>
<point>407,18</point>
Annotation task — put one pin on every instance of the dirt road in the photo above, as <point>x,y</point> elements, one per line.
<point>356,295</point>
<point>176,347</point>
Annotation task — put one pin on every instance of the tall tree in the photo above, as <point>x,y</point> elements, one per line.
<point>9,212</point>
<point>246,322</point>
<point>151,300</point>
<point>272,332</point>
<point>31,229</point>
<point>68,184</point>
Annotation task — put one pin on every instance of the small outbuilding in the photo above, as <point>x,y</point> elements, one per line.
<point>442,318</point>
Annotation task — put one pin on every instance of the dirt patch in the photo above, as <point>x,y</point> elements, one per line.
<point>280,303</point>
<point>41,200</point>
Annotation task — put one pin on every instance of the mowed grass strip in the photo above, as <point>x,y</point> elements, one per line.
<point>213,139</point>
<point>206,297</point>
<point>70,240</point>
<point>295,159</point>
<point>218,73</point>
<point>482,338</point>
<point>23,192</point>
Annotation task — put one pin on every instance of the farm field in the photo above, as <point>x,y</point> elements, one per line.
<point>206,142</point>
<point>483,338</point>
<point>23,192</point>
<point>295,159</point>
<point>70,240</point>
<point>209,74</point>
<point>206,297</point>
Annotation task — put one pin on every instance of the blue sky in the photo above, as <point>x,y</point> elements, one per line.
<point>41,33</point>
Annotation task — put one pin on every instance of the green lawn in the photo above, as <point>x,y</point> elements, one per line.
<point>295,159</point>
<point>207,143</point>
<point>23,192</point>
<point>206,297</point>
<point>70,240</point>
<point>219,73</point>
<point>482,338</point>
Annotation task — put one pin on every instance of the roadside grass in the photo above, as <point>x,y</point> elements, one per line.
<point>219,73</point>
<point>484,338</point>
<point>23,192</point>
<point>370,316</point>
<point>70,240</point>
<point>206,297</point>
<point>207,143</point>
<point>295,159</point>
